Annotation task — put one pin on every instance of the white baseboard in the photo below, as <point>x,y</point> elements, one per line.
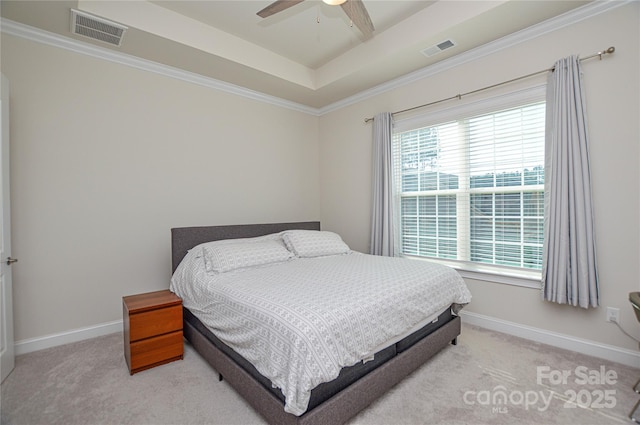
<point>591,348</point>
<point>34,344</point>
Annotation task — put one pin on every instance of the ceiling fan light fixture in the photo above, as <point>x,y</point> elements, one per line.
<point>334,2</point>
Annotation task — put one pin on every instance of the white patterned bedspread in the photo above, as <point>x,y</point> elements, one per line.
<point>301,321</point>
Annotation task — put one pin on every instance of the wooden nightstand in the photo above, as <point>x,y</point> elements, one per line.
<point>152,329</point>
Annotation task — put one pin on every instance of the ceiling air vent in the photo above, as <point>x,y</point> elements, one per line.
<point>97,28</point>
<point>434,50</point>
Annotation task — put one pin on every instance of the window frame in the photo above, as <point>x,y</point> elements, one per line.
<point>523,277</point>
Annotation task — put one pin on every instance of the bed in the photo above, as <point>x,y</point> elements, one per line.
<point>352,387</point>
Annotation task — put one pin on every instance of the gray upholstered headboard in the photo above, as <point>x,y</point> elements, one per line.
<point>185,238</point>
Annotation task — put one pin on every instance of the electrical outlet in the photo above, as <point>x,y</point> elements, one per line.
<point>613,314</point>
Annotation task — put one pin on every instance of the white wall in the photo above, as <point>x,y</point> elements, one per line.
<point>107,158</point>
<point>613,97</point>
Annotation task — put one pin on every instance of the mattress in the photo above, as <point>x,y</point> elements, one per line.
<point>300,322</point>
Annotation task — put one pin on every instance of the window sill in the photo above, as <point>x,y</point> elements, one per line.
<point>503,275</point>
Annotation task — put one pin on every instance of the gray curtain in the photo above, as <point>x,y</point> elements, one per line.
<point>569,274</point>
<point>382,234</point>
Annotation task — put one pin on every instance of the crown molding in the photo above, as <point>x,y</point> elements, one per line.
<point>37,35</point>
<point>40,36</point>
<point>585,12</point>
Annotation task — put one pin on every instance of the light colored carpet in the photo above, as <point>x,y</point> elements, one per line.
<point>88,383</point>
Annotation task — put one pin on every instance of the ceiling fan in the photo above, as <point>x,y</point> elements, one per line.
<point>354,9</point>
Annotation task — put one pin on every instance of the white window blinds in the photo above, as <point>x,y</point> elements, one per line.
<point>472,189</point>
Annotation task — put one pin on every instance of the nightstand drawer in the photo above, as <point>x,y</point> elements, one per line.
<point>155,322</point>
<point>160,349</point>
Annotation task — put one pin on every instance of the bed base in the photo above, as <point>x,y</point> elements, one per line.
<point>342,406</point>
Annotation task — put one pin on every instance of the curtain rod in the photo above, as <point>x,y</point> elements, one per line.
<point>459,96</point>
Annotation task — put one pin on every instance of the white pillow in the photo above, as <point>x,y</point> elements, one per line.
<point>269,237</point>
<point>220,258</point>
<point>314,243</point>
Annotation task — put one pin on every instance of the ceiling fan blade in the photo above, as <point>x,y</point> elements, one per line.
<point>277,6</point>
<point>358,14</point>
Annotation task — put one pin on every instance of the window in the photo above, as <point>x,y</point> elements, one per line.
<point>471,189</point>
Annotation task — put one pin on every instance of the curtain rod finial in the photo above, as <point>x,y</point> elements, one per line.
<point>606,52</point>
